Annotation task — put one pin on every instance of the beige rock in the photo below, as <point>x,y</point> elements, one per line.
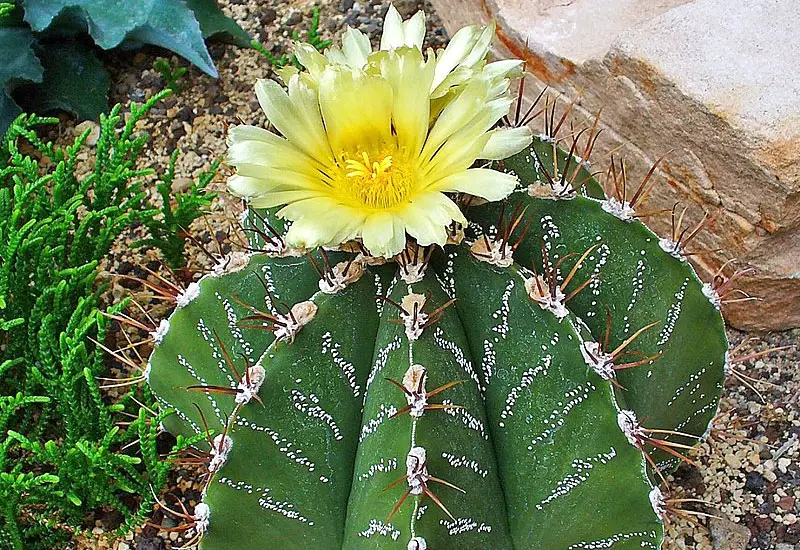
<point>704,79</point>
<point>726,535</point>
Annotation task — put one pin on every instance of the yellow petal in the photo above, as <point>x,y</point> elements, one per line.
<point>256,146</point>
<point>356,47</point>
<point>481,182</point>
<point>414,31</point>
<point>383,234</point>
<point>505,142</point>
<point>293,115</point>
<point>393,34</point>
<point>357,108</point>
<point>410,77</point>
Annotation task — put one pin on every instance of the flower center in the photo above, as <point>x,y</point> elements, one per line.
<point>378,181</point>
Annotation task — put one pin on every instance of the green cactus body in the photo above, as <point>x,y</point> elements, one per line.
<point>640,279</point>
<point>392,418</point>
<point>443,435</point>
<point>553,420</point>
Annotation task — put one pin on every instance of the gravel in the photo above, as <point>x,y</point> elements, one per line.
<point>748,471</point>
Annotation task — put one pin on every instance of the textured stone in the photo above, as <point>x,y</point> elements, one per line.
<point>726,535</point>
<point>710,84</point>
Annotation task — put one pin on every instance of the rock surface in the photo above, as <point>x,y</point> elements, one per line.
<point>708,83</point>
<point>726,535</point>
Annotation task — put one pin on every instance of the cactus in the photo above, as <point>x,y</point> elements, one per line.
<point>521,381</point>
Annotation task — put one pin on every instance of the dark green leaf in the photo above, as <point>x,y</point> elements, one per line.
<point>75,80</point>
<point>171,25</point>
<point>19,65</point>
<point>216,24</point>
<point>108,21</point>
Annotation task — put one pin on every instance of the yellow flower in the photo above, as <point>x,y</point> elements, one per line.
<point>371,142</point>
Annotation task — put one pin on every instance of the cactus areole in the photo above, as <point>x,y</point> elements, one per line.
<point>422,353</point>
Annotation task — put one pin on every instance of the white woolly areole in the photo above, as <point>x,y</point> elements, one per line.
<point>250,384</point>
<point>219,452</point>
<point>243,216</point>
<point>161,331</point>
<point>147,370</point>
<point>619,209</point>
<point>658,502</point>
<point>629,425</point>
<point>301,314</point>
<point>413,272</point>
<point>539,292</point>
<point>601,363</point>
<point>341,275</point>
<point>416,470</point>
<point>712,295</point>
<point>235,261</point>
<point>670,247</point>
<point>184,298</point>
<point>417,543</point>
<point>556,192</point>
<point>202,514</point>
<point>493,251</point>
<point>414,383</point>
<point>413,317</point>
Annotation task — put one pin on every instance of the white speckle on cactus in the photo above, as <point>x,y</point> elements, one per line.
<point>610,542</point>
<point>417,470</point>
<point>552,301</point>
<point>202,515</point>
<point>601,363</point>
<point>673,314</point>
<point>458,354</point>
<point>373,424</point>
<point>235,261</point>
<point>528,377</point>
<point>464,525</point>
<point>619,209</point>
<point>573,398</point>
<point>417,543</point>
<point>671,247</point>
<point>190,293</point>
<point>658,502</point>
<point>414,319</point>
<point>381,358</point>
<point>416,394</point>
<point>341,275</point>
<point>220,450</point>
<point>630,427</point>
<point>466,418</point>
<point>464,462</point>
<point>286,447</point>
<point>250,384</point>
<point>347,368</point>
<point>493,251</point>
<point>582,470</point>
<point>309,405</point>
<point>289,325</point>
<point>382,466</point>
<point>712,295</point>
<point>161,331</point>
<point>377,527</point>
<point>286,509</point>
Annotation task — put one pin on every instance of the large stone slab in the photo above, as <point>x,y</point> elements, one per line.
<point>711,83</point>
